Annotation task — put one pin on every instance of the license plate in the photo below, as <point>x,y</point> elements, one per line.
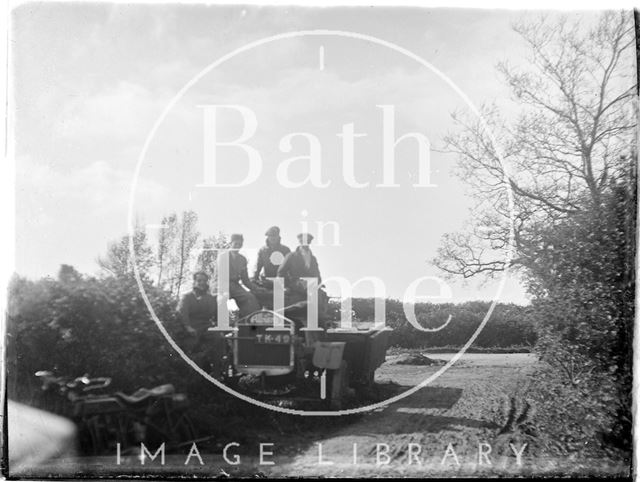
<point>270,339</point>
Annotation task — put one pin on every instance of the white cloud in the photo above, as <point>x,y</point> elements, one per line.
<point>116,115</point>
<point>69,215</point>
<point>44,191</point>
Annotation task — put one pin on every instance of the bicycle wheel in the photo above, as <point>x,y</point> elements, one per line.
<point>85,439</point>
<point>185,430</point>
<point>94,440</point>
<point>103,432</point>
<point>129,432</point>
<point>174,430</point>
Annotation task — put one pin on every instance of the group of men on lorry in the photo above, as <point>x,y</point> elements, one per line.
<point>198,308</point>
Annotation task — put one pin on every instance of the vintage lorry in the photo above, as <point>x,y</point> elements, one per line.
<point>287,360</point>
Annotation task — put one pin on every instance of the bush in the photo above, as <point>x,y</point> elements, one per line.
<point>585,284</point>
<point>510,325</point>
<point>76,325</point>
<point>572,418</point>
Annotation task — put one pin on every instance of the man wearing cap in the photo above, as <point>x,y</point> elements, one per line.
<point>270,256</point>
<point>239,282</point>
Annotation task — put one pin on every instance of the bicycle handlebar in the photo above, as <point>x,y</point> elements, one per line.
<point>65,382</point>
<point>96,383</point>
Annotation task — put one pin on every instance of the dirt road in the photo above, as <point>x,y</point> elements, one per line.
<point>444,422</point>
<point>448,428</point>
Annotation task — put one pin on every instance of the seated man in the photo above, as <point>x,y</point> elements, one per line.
<point>299,264</point>
<point>270,256</point>
<point>197,312</point>
<point>239,282</point>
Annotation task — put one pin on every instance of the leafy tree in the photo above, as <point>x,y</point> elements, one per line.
<point>118,261</point>
<point>569,159</point>
<point>68,275</point>
<point>208,255</point>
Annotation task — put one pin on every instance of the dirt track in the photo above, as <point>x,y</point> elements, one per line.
<point>446,422</point>
<point>456,409</point>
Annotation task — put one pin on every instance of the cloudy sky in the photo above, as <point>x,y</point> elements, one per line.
<point>91,80</point>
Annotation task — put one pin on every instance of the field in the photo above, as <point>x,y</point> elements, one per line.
<point>450,427</point>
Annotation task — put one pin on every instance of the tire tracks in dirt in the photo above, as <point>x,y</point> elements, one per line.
<point>459,412</point>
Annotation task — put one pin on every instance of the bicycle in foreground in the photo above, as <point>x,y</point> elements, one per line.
<point>150,416</point>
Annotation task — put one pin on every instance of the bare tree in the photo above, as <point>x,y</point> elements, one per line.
<point>573,135</point>
<point>188,237</point>
<point>175,255</point>
<point>165,235</point>
<point>177,239</point>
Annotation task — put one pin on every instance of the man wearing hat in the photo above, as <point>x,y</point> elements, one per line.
<point>239,282</point>
<point>270,257</point>
<point>300,264</point>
